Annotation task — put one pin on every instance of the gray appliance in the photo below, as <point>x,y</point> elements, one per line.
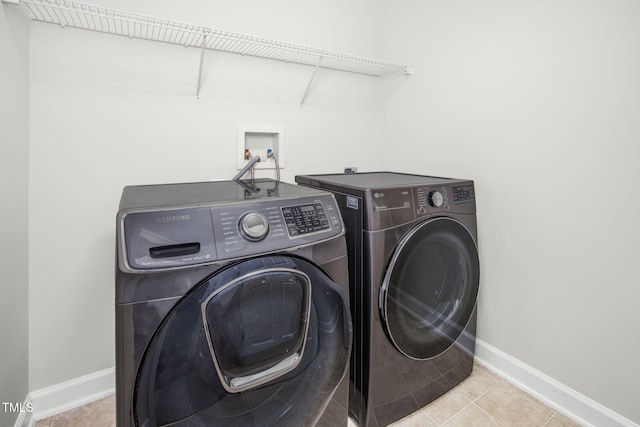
<point>231,306</point>
<point>414,276</point>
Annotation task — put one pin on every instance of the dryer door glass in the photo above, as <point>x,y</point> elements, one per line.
<point>262,342</point>
<point>430,288</point>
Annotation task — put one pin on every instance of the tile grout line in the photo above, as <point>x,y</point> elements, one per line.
<point>526,395</point>
<point>432,420</point>
<point>534,400</point>
<point>453,416</point>
<point>553,416</point>
<point>471,402</point>
<point>491,416</point>
<point>484,394</point>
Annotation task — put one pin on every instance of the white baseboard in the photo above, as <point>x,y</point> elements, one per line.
<point>24,417</point>
<point>67,395</point>
<point>558,396</point>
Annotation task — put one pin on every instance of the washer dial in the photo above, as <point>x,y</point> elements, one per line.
<point>253,226</point>
<point>435,199</point>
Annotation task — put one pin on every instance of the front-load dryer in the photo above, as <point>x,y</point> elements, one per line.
<point>414,273</point>
<point>231,306</point>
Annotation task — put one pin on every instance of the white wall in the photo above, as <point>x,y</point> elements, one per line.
<point>14,149</point>
<point>108,111</point>
<point>538,102</point>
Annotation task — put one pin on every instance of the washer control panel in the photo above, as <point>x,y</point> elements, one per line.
<point>202,235</point>
<point>305,219</point>
<point>271,225</point>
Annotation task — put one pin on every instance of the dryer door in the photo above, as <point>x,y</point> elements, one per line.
<point>430,288</point>
<point>264,342</point>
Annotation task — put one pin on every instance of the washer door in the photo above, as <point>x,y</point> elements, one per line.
<point>264,342</point>
<point>430,288</point>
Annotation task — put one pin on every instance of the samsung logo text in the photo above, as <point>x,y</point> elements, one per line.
<point>173,218</point>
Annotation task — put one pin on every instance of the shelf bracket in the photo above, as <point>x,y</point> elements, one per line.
<point>202,49</point>
<point>306,91</point>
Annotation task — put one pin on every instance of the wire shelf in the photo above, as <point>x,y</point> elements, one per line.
<point>112,21</point>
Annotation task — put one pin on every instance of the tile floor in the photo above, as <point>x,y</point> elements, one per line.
<point>483,399</point>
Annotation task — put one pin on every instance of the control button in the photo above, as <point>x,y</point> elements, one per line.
<point>436,199</point>
<point>253,226</point>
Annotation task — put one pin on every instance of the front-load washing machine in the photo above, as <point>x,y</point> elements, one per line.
<point>231,306</point>
<point>414,274</point>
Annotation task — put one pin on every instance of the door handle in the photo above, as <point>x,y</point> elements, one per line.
<point>267,375</point>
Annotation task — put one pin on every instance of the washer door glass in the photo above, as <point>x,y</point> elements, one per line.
<point>256,326</point>
<point>430,288</point>
<point>264,342</point>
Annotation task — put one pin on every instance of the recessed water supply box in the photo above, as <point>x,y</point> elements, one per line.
<point>261,140</point>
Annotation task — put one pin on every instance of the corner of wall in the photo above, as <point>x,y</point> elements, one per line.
<point>14,163</point>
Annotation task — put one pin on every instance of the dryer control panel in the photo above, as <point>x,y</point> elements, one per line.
<point>431,198</point>
<point>457,199</point>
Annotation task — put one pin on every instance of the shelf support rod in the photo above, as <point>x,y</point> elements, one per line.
<point>202,49</point>
<point>306,91</point>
